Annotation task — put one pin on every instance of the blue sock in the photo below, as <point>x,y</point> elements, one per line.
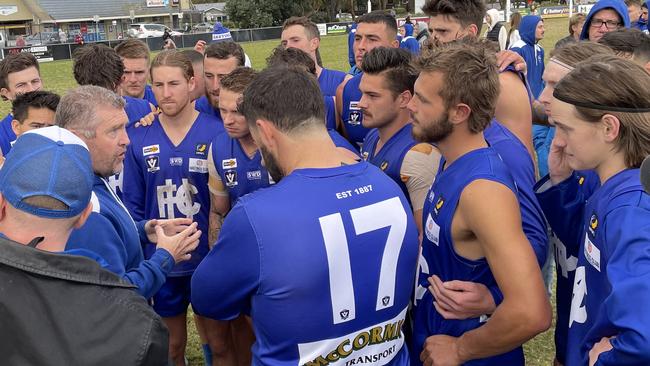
<point>207,354</point>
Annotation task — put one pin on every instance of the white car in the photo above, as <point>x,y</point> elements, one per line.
<point>145,30</point>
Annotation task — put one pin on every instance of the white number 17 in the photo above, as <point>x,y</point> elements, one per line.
<point>388,213</point>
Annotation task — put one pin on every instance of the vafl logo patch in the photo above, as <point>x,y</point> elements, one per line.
<point>153,164</point>
<point>231,178</point>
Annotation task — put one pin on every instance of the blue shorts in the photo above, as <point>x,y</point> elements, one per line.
<point>173,298</point>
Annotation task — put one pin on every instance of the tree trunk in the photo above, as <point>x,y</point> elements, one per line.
<point>332,9</point>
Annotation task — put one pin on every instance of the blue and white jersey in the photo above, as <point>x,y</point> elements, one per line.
<point>335,287</point>
<point>240,174</point>
<point>611,289</point>
<point>391,155</point>
<point>163,181</point>
<point>563,207</point>
<point>329,80</point>
<point>330,112</point>
<point>520,164</point>
<point>7,135</point>
<point>340,141</point>
<point>203,105</point>
<point>352,116</point>
<point>136,109</point>
<point>439,256</point>
<point>149,96</point>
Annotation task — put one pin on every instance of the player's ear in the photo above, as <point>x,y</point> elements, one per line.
<point>15,126</point>
<point>315,43</point>
<point>611,127</point>
<point>265,131</point>
<point>459,113</point>
<point>405,98</point>
<point>472,30</point>
<point>191,84</point>
<point>81,219</point>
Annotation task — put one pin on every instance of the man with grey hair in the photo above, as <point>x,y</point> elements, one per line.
<point>97,116</point>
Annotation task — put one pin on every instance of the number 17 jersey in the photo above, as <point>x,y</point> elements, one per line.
<point>332,290</point>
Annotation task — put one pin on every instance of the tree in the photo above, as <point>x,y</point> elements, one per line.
<point>267,13</point>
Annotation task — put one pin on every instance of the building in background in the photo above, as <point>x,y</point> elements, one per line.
<point>92,19</point>
<point>212,12</point>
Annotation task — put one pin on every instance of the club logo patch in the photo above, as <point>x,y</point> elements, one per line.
<point>383,166</point>
<point>439,203</point>
<point>150,150</point>
<point>153,164</point>
<point>201,149</point>
<point>593,224</point>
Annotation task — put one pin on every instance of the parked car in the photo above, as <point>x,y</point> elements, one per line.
<point>144,30</point>
<point>344,17</point>
<point>204,27</point>
<point>42,38</point>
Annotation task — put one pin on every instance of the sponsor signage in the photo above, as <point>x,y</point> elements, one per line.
<point>337,28</point>
<point>42,53</point>
<point>554,12</point>
<point>156,3</point>
<point>6,10</point>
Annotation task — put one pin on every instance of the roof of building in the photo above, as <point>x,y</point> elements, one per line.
<point>86,9</point>
<point>210,6</point>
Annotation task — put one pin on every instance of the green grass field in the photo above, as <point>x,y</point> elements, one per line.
<point>58,77</point>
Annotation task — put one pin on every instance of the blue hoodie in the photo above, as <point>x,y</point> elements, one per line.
<point>533,54</point>
<point>643,24</point>
<point>616,5</point>
<point>353,31</point>
<point>409,42</point>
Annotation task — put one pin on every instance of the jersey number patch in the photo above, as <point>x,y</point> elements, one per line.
<point>388,213</point>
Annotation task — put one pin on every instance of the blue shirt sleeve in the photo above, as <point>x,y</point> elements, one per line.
<point>133,188</point>
<point>99,236</point>
<point>563,206</point>
<point>628,272</point>
<point>225,281</point>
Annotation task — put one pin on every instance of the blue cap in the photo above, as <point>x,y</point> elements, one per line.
<point>51,162</point>
<point>220,33</point>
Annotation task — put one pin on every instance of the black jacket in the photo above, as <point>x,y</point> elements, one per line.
<point>58,309</point>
